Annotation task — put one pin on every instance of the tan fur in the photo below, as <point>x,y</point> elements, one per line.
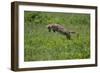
<point>60,29</point>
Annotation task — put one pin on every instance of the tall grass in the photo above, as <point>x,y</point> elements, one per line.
<point>43,45</point>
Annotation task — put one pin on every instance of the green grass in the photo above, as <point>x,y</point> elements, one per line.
<point>43,45</point>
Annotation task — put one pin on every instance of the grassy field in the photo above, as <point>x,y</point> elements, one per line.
<point>43,45</point>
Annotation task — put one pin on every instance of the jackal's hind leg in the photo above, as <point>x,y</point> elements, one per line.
<point>68,36</point>
<point>53,30</point>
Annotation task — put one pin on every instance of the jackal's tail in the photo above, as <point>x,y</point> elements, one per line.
<point>72,32</point>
